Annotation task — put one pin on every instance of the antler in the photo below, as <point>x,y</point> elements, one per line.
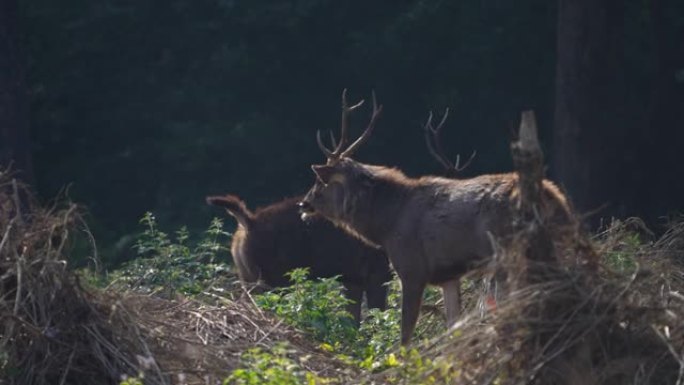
<point>436,150</point>
<point>339,151</point>
<point>338,147</point>
<point>367,132</point>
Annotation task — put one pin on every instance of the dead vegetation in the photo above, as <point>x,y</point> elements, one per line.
<point>56,332</point>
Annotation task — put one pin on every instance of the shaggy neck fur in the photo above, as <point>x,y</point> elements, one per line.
<point>374,222</point>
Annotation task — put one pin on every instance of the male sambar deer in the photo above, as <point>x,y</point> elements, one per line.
<point>451,169</point>
<point>274,240</point>
<point>433,229</point>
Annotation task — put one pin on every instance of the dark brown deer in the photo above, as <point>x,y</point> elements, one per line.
<point>274,240</point>
<point>433,229</point>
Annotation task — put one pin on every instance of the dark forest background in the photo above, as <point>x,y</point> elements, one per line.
<point>151,105</point>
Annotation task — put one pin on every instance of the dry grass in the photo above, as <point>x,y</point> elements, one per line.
<point>56,332</point>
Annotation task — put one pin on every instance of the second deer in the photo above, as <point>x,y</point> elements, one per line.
<point>273,240</point>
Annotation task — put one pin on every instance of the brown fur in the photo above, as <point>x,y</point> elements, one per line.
<point>434,229</point>
<point>273,240</point>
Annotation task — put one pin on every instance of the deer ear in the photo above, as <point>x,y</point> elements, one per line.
<point>323,173</point>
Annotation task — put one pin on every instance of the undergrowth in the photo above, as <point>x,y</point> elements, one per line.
<point>317,308</point>
<point>273,367</point>
<point>166,265</point>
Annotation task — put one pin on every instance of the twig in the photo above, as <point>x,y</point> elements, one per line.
<point>677,295</point>
<point>249,295</point>
<point>568,320</point>
<point>65,229</point>
<point>17,298</point>
<point>677,356</point>
<point>95,257</point>
<point>68,366</point>
<point>5,236</point>
<point>17,203</point>
<point>276,326</point>
<point>587,330</point>
<point>147,350</point>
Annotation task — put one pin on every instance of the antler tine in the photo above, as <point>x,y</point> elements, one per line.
<point>432,135</point>
<point>441,123</point>
<point>459,168</point>
<point>438,143</point>
<point>429,132</point>
<point>333,141</point>
<point>428,124</point>
<point>344,123</point>
<point>329,154</point>
<point>369,129</point>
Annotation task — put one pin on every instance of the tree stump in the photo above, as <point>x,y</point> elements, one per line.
<point>537,246</point>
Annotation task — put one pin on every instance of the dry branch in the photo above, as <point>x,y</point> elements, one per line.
<point>56,332</point>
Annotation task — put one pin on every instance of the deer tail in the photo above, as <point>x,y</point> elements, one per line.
<point>234,206</point>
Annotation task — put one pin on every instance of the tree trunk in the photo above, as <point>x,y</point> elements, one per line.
<point>666,110</point>
<point>15,144</point>
<point>588,143</point>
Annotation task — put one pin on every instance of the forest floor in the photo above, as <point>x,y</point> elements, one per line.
<point>177,315</point>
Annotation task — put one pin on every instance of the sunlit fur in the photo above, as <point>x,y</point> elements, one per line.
<point>433,229</point>
<point>273,240</point>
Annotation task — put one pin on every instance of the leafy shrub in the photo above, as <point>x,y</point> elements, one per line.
<point>316,307</point>
<point>133,381</point>
<point>319,308</point>
<point>271,368</point>
<point>410,367</point>
<point>622,258</point>
<point>623,243</point>
<point>169,265</point>
<point>379,332</point>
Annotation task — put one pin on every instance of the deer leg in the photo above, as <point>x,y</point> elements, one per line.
<point>354,292</point>
<point>452,300</point>
<point>376,288</point>
<point>376,295</point>
<point>411,298</point>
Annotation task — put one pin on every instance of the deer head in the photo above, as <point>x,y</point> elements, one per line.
<point>341,175</point>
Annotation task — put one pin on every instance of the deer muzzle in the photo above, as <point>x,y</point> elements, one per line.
<point>306,210</point>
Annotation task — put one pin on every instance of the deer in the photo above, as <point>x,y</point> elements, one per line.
<point>451,169</point>
<point>433,229</point>
<point>272,241</point>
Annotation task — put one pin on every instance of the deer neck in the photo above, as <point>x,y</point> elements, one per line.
<point>376,224</point>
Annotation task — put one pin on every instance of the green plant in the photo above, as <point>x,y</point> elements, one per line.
<point>272,368</point>
<point>316,307</point>
<point>380,330</point>
<point>133,381</point>
<point>410,367</point>
<point>166,264</point>
<point>622,257</point>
